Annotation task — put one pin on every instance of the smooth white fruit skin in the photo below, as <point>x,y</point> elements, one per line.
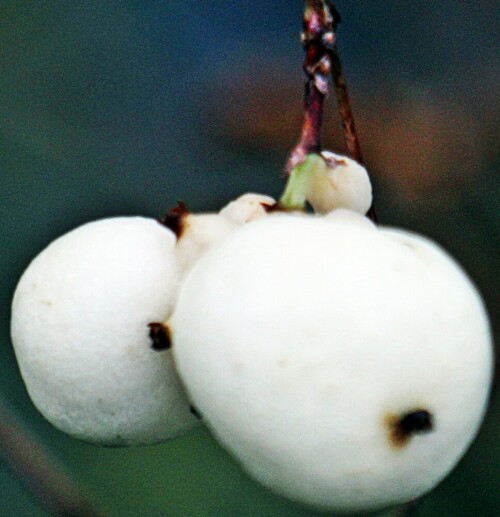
<point>247,208</point>
<point>343,184</point>
<point>79,328</point>
<point>297,338</point>
<point>199,233</point>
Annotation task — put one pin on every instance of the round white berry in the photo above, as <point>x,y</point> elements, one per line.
<point>345,366</point>
<point>80,319</point>
<point>197,234</point>
<point>248,207</point>
<point>339,182</point>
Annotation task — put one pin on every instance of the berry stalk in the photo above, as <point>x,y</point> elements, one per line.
<point>318,32</point>
<point>342,94</point>
<point>344,104</point>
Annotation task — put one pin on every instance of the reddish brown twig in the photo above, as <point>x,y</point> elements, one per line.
<point>321,19</point>
<point>55,490</point>
<point>348,125</point>
<point>344,103</point>
<point>328,42</point>
<point>318,31</point>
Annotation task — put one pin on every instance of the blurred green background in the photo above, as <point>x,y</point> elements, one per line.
<point>111,108</point>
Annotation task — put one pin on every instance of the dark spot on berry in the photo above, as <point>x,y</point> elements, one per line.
<point>160,336</point>
<point>270,207</point>
<point>403,427</point>
<point>174,220</point>
<point>195,412</point>
<point>332,161</point>
<point>416,422</point>
<point>275,207</point>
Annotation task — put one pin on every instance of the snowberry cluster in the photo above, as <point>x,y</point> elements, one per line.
<point>344,365</point>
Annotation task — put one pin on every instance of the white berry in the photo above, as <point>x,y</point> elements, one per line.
<point>339,182</point>
<point>80,319</point>
<point>345,366</point>
<point>198,233</point>
<point>248,207</point>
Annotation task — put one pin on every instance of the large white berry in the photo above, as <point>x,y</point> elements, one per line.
<point>339,182</point>
<point>80,319</point>
<point>345,366</point>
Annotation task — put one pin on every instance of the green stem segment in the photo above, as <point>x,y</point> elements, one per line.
<point>299,181</point>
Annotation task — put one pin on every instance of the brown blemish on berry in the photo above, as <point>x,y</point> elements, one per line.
<point>274,208</point>
<point>401,428</point>
<point>174,220</point>
<point>332,161</point>
<point>161,336</point>
<point>195,412</point>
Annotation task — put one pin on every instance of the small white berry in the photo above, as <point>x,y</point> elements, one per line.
<point>197,234</point>
<point>80,319</point>
<point>248,207</point>
<point>339,182</point>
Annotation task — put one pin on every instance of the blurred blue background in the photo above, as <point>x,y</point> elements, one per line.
<point>124,107</point>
